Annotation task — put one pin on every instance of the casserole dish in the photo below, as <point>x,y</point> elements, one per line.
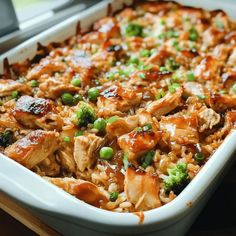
<point>115,221</point>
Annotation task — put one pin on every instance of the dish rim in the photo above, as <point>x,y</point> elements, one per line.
<point>176,209</point>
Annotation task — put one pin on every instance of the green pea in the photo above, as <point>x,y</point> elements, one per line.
<point>106,153</point>
<point>34,83</point>
<point>193,34</point>
<point>77,97</point>
<point>76,82</point>
<point>93,94</point>
<point>100,124</point>
<point>145,53</point>
<point>133,30</point>
<point>67,99</point>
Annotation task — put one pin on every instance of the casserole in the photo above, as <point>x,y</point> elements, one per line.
<point>128,227</point>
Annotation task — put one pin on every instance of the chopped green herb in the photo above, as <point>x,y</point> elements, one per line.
<point>147,159</point>
<point>202,97</point>
<point>172,34</point>
<point>161,94</point>
<point>110,75</point>
<point>193,34</point>
<point>163,68</point>
<point>15,94</point>
<point>173,87</point>
<point>147,127</point>
<point>66,139</point>
<point>113,196</point>
<point>222,92</point>
<point>175,77</point>
<point>199,157</point>
<point>133,60</point>
<point>125,160</point>
<point>171,64</point>
<point>145,53</point>
<point>138,129</point>
<point>190,76</point>
<point>133,30</point>
<point>162,22</point>
<point>234,87</point>
<point>141,75</point>
<point>112,119</point>
<point>79,133</point>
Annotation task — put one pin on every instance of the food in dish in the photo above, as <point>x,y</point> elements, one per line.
<point>125,116</point>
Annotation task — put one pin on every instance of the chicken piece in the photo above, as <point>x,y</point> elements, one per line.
<point>33,148</point>
<point>127,14</point>
<point>232,58</point>
<point>48,167</point>
<point>156,7</point>
<point>46,66</point>
<point>83,190</point>
<point>183,130</point>
<point>166,104</point>
<point>36,112</point>
<point>221,52</point>
<point>138,142</point>
<point>229,78</point>
<point>53,87</point>
<point>7,86</point>
<point>122,126</point>
<point>231,118</point>
<point>116,99</point>
<point>193,89</point>
<point>84,150</point>
<point>67,160</point>
<point>8,121</point>
<point>212,36</point>
<point>108,26</point>
<point>207,69</point>
<point>142,189</point>
<point>221,102</point>
<point>81,64</point>
<point>207,119</point>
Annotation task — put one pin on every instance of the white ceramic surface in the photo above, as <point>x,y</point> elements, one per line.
<point>74,217</point>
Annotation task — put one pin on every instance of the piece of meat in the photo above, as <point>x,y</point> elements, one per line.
<point>33,148</point>
<point>207,119</point>
<point>67,160</point>
<point>48,167</point>
<point>8,121</point>
<point>193,89</point>
<point>7,86</point>
<point>207,69</point>
<point>85,147</point>
<point>138,142</point>
<point>166,104</point>
<point>229,78</point>
<point>232,58</point>
<point>122,126</point>
<point>183,130</point>
<point>142,189</point>
<point>83,190</point>
<point>221,102</point>
<point>54,87</point>
<point>221,52</point>
<point>212,36</point>
<point>116,99</point>
<point>81,64</point>
<point>45,66</point>
<point>36,112</point>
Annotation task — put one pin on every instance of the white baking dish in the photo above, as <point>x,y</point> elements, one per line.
<point>74,217</point>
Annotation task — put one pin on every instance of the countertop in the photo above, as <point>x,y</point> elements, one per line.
<point>217,218</point>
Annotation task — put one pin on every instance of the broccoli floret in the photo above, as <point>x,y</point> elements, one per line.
<point>6,138</point>
<point>85,114</point>
<point>178,178</point>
